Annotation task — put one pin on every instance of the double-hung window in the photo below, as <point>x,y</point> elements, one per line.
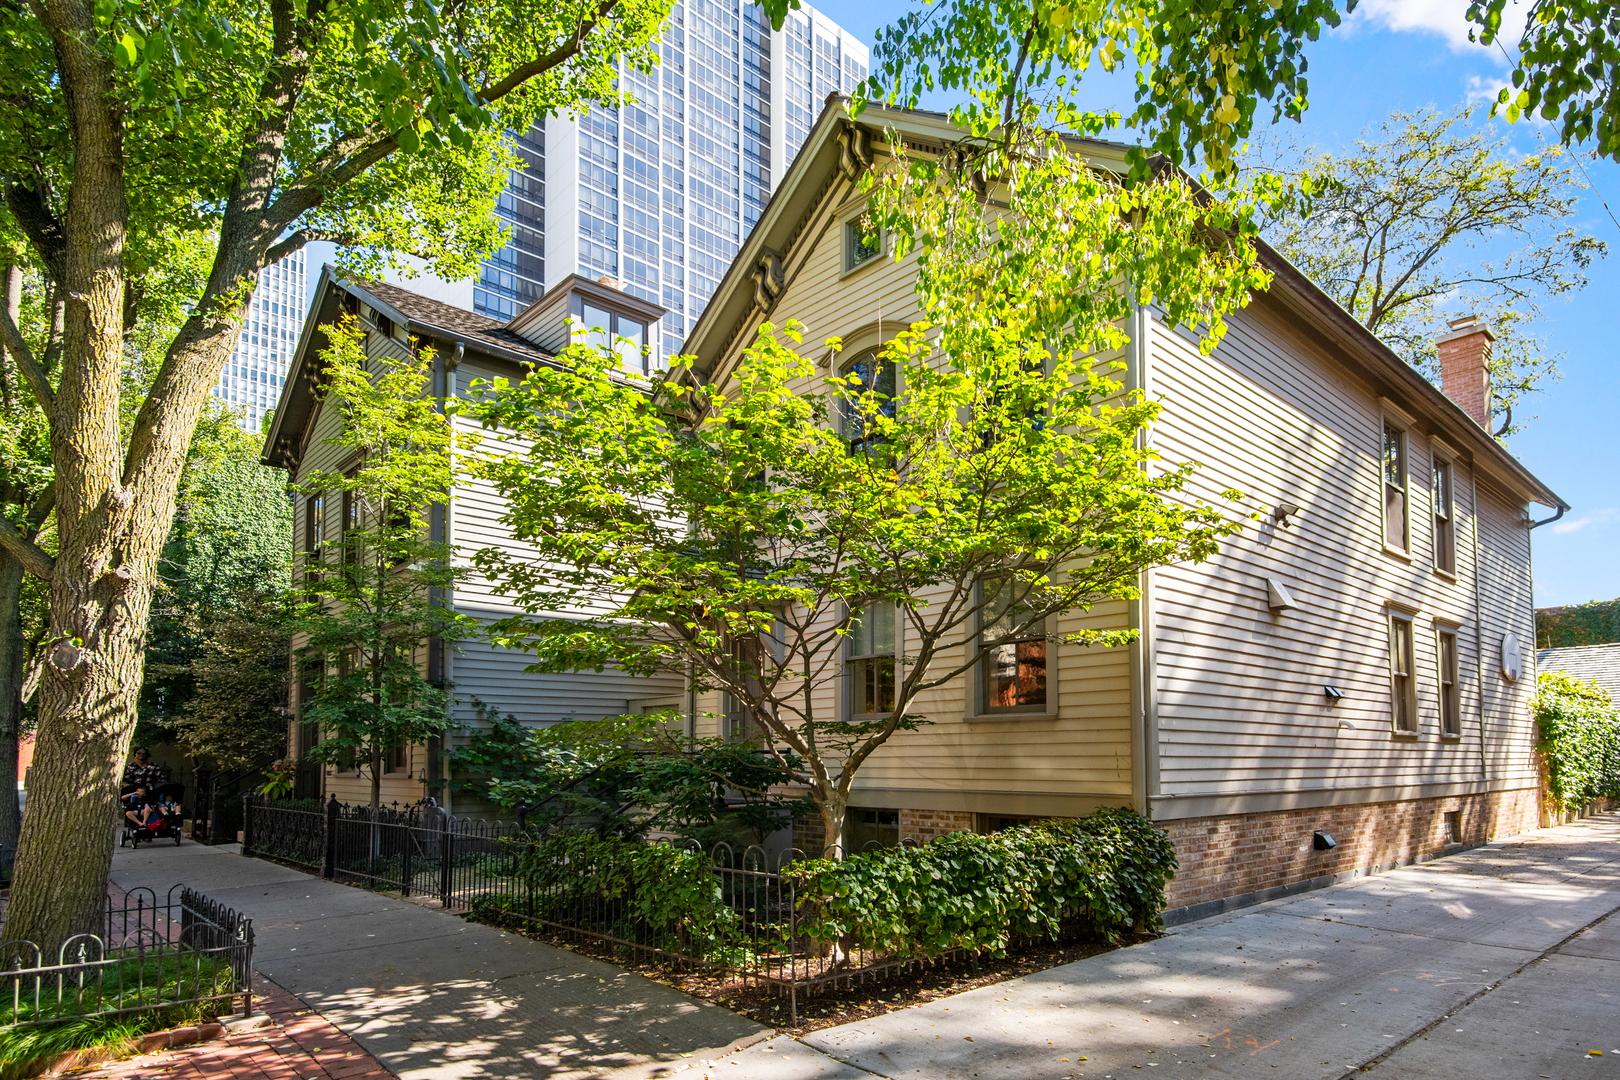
<point>1396,525</point>
<point>862,243</point>
<point>1450,691</point>
<point>871,645</point>
<point>1013,674</point>
<point>1445,517</point>
<point>314,536</point>
<point>1402,675</point>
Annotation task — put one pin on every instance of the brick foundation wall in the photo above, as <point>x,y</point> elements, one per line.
<point>810,835</point>
<point>925,826</point>
<point>1225,857</point>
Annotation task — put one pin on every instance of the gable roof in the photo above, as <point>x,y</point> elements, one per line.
<point>1589,663</point>
<point>815,170</point>
<point>449,328</point>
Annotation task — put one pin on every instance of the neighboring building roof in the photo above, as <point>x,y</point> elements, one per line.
<point>1317,313</point>
<point>1588,663</point>
<point>443,320</point>
<point>421,316</point>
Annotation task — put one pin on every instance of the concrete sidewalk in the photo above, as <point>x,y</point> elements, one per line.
<point>1500,962</point>
<point>432,996</point>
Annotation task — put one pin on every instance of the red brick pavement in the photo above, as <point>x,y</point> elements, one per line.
<point>301,1045</point>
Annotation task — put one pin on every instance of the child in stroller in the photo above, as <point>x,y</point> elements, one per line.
<point>151,815</point>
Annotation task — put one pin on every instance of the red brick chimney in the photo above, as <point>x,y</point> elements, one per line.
<point>1465,367</point>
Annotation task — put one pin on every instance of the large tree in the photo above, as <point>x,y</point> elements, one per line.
<point>979,480</point>
<point>1203,68</point>
<point>1431,214</point>
<point>266,125</point>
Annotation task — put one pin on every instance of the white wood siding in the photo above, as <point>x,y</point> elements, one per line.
<point>1239,690</point>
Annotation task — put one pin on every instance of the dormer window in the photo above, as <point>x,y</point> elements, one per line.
<point>601,328</point>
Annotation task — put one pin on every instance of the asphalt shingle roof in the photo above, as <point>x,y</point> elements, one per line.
<point>1589,663</point>
<point>458,321</point>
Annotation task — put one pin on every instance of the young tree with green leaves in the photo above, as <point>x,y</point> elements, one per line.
<point>1430,213</point>
<point>987,472</point>
<point>377,125</point>
<point>375,592</point>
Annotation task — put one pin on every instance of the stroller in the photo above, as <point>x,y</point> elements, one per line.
<point>159,825</point>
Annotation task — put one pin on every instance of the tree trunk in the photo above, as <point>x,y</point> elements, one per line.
<point>12,662</point>
<point>834,807</point>
<point>376,781</point>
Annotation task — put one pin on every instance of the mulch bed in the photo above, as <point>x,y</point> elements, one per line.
<point>830,1006</point>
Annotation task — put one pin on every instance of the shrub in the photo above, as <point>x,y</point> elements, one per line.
<point>665,893</point>
<point>1094,875</point>
<point>1578,733</point>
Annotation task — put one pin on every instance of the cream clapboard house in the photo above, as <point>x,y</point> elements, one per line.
<point>1355,665</point>
<point>466,347</point>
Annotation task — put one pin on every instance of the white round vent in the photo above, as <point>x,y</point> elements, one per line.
<point>1512,658</point>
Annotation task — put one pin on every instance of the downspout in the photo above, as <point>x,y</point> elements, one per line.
<point>1144,703</point>
<point>446,658</point>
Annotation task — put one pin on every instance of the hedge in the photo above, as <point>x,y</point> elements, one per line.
<point>1578,734</point>
<point>1096,875</point>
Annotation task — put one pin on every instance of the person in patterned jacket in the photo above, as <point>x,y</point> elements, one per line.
<point>142,773</point>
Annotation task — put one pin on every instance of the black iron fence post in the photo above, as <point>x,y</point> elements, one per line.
<point>216,815</point>
<point>329,855</point>
<point>408,841</point>
<point>247,823</point>
<point>446,860</point>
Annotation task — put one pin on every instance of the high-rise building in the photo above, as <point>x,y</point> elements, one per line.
<point>659,194</point>
<point>252,379</point>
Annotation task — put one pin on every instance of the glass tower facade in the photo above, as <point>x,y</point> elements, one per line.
<point>514,277</point>
<point>658,195</point>
<point>252,380</point>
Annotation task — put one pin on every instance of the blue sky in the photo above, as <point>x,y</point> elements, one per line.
<point>1402,55</point>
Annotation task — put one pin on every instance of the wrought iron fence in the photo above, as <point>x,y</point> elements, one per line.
<point>185,950</point>
<point>415,850</point>
<point>489,868</point>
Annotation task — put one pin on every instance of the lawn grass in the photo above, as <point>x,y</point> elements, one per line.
<point>152,988</point>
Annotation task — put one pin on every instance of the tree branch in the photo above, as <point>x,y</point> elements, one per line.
<point>40,224</point>
<point>32,373</point>
<point>35,560</point>
<point>524,72</point>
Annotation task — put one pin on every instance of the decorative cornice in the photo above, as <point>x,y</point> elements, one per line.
<point>854,150</point>
<point>768,280</point>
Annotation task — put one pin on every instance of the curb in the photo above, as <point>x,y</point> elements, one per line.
<point>149,1044</point>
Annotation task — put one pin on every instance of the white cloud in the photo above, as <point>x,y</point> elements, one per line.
<point>1577,524</point>
<point>1480,89</point>
<point>1446,18</point>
